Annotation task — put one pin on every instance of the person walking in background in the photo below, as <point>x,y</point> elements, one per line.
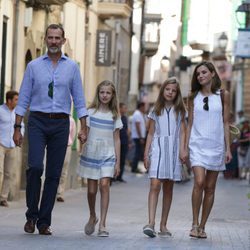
<point>244,150</point>
<point>241,118</point>
<point>164,152</point>
<point>64,174</point>
<point>50,83</point>
<point>208,142</point>
<point>7,145</point>
<point>138,134</point>
<point>100,158</point>
<point>124,138</point>
<point>231,171</point>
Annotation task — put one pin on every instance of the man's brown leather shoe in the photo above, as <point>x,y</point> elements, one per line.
<point>29,226</point>
<point>4,203</point>
<point>60,199</point>
<point>45,230</point>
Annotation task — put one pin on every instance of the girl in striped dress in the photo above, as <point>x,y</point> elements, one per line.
<point>100,157</point>
<point>164,151</point>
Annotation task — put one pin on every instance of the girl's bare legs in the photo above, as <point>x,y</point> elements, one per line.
<point>104,187</point>
<point>166,203</point>
<point>92,191</point>
<point>208,200</point>
<point>155,187</point>
<point>199,184</point>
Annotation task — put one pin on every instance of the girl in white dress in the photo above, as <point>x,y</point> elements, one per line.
<point>100,157</point>
<point>164,151</point>
<point>207,140</point>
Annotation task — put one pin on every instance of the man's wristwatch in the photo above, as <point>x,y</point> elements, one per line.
<point>17,126</point>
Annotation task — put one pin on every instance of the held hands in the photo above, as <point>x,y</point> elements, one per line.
<point>17,137</point>
<point>82,136</point>
<point>183,156</point>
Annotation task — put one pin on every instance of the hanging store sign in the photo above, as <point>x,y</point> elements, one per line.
<point>243,43</point>
<point>103,48</point>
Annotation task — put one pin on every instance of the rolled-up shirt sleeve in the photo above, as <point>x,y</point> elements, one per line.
<point>78,95</point>
<point>25,92</point>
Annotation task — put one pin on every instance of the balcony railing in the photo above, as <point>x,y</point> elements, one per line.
<point>151,34</point>
<point>40,4</point>
<point>114,8</point>
<point>150,48</point>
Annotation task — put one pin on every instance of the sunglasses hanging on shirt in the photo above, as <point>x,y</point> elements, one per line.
<point>50,89</point>
<point>205,101</point>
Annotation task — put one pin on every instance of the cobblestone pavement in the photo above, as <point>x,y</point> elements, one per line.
<point>228,226</point>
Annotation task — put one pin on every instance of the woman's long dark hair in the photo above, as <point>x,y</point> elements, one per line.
<point>196,86</point>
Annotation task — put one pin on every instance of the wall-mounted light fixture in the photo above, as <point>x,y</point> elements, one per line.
<point>243,20</point>
<point>222,41</point>
<point>165,63</point>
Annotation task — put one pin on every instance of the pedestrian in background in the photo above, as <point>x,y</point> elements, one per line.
<point>231,171</point>
<point>164,152</point>
<point>50,83</point>
<point>7,145</point>
<point>208,142</point>
<point>244,150</point>
<point>64,174</point>
<point>241,118</point>
<point>138,134</point>
<point>124,138</point>
<point>100,158</point>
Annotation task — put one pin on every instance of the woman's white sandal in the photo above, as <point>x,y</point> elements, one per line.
<point>194,232</point>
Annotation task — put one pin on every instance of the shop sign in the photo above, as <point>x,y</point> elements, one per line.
<point>103,48</point>
<point>243,43</point>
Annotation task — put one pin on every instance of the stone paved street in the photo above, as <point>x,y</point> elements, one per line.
<point>228,226</point>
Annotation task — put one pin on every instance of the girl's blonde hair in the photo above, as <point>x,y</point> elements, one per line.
<point>179,106</point>
<point>113,104</point>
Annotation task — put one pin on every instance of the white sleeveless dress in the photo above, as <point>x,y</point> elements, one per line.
<point>206,144</point>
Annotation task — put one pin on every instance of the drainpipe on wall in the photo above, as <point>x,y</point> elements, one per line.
<point>130,46</point>
<point>14,44</point>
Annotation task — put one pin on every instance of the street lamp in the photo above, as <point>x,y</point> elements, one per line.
<point>243,21</point>
<point>245,9</point>
<point>222,41</point>
<point>164,63</point>
<point>242,49</point>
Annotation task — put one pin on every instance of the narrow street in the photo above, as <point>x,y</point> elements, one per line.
<point>228,226</point>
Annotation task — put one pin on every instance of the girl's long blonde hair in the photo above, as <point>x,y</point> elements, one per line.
<point>113,104</point>
<point>178,103</point>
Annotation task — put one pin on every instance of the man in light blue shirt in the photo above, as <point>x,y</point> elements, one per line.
<point>50,83</point>
<point>7,145</point>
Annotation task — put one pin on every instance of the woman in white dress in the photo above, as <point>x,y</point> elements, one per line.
<point>164,152</point>
<point>207,140</point>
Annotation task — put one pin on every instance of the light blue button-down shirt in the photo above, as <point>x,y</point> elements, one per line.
<point>67,86</point>
<point>7,121</point>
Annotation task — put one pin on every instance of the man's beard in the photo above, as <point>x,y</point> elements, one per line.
<point>54,50</point>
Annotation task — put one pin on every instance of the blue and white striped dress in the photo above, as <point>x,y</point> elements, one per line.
<point>98,156</point>
<point>164,150</point>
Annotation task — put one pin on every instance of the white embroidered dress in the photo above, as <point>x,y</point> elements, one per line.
<point>98,156</point>
<point>164,150</point>
<point>206,144</point>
